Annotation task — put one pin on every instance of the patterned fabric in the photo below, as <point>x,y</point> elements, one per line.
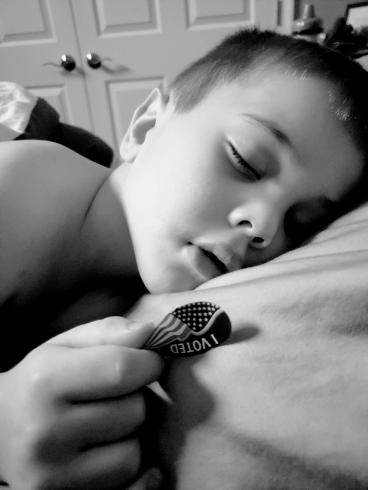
<point>26,116</point>
<point>16,106</point>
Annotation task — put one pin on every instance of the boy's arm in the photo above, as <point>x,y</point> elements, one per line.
<point>284,405</point>
<point>40,184</point>
<point>44,191</point>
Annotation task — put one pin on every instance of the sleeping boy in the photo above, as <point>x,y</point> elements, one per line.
<point>257,145</point>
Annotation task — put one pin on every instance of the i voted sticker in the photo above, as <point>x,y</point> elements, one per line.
<point>191,329</point>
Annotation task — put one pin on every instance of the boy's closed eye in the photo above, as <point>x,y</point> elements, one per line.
<point>241,165</point>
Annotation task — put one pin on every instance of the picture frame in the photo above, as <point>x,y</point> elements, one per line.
<point>356,15</point>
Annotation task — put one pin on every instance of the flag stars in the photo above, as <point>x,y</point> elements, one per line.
<point>196,315</point>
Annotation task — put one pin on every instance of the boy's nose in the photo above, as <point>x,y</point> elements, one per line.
<point>259,223</point>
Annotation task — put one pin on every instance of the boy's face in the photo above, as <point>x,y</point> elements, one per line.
<point>209,189</point>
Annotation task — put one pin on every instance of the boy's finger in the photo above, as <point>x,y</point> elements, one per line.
<point>99,372</point>
<point>110,466</point>
<point>113,330</point>
<point>103,421</point>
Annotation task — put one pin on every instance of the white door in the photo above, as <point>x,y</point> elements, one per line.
<point>33,36</point>
<point>144,43</point>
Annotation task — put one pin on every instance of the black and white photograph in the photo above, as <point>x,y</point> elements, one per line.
<point>183,245</point>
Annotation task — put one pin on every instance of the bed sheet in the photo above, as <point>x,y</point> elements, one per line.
<point>284,405</point>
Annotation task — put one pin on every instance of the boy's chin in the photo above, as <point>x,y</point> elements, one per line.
<point>162,283</point>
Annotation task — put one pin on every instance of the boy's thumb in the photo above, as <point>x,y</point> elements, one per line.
<point>114,330</point>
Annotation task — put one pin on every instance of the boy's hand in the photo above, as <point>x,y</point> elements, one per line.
<point>71,410</point>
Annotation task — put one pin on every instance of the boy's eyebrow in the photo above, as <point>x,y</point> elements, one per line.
<point>270,126</point>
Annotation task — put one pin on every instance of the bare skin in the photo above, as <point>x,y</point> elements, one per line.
<point>75,239</point>
<point>42,279</point>
<point>72,410</point>
<point>41,296</point>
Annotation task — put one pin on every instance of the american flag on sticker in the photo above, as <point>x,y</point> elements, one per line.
<point>190,329</point>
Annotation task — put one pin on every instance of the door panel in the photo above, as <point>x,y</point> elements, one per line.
<point>209,13</point>
<point>34,24</point>
<point>129,16</point>
<point>35,33</point>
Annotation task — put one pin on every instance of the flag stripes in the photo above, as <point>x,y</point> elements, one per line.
<point>171,328</point>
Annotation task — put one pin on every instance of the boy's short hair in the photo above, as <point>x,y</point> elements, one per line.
<point>249,50</point>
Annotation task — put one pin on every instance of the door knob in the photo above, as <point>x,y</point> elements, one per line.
<point>93,60</point>
<point>68,62</point>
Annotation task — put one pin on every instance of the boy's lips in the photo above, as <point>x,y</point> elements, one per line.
<point>210,260</point>
<point>201,264</point>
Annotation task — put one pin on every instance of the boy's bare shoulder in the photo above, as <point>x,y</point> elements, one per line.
<point>44,190</point>
<point>36,157</point>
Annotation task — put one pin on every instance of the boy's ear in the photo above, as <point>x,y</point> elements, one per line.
<point>143,120</point>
